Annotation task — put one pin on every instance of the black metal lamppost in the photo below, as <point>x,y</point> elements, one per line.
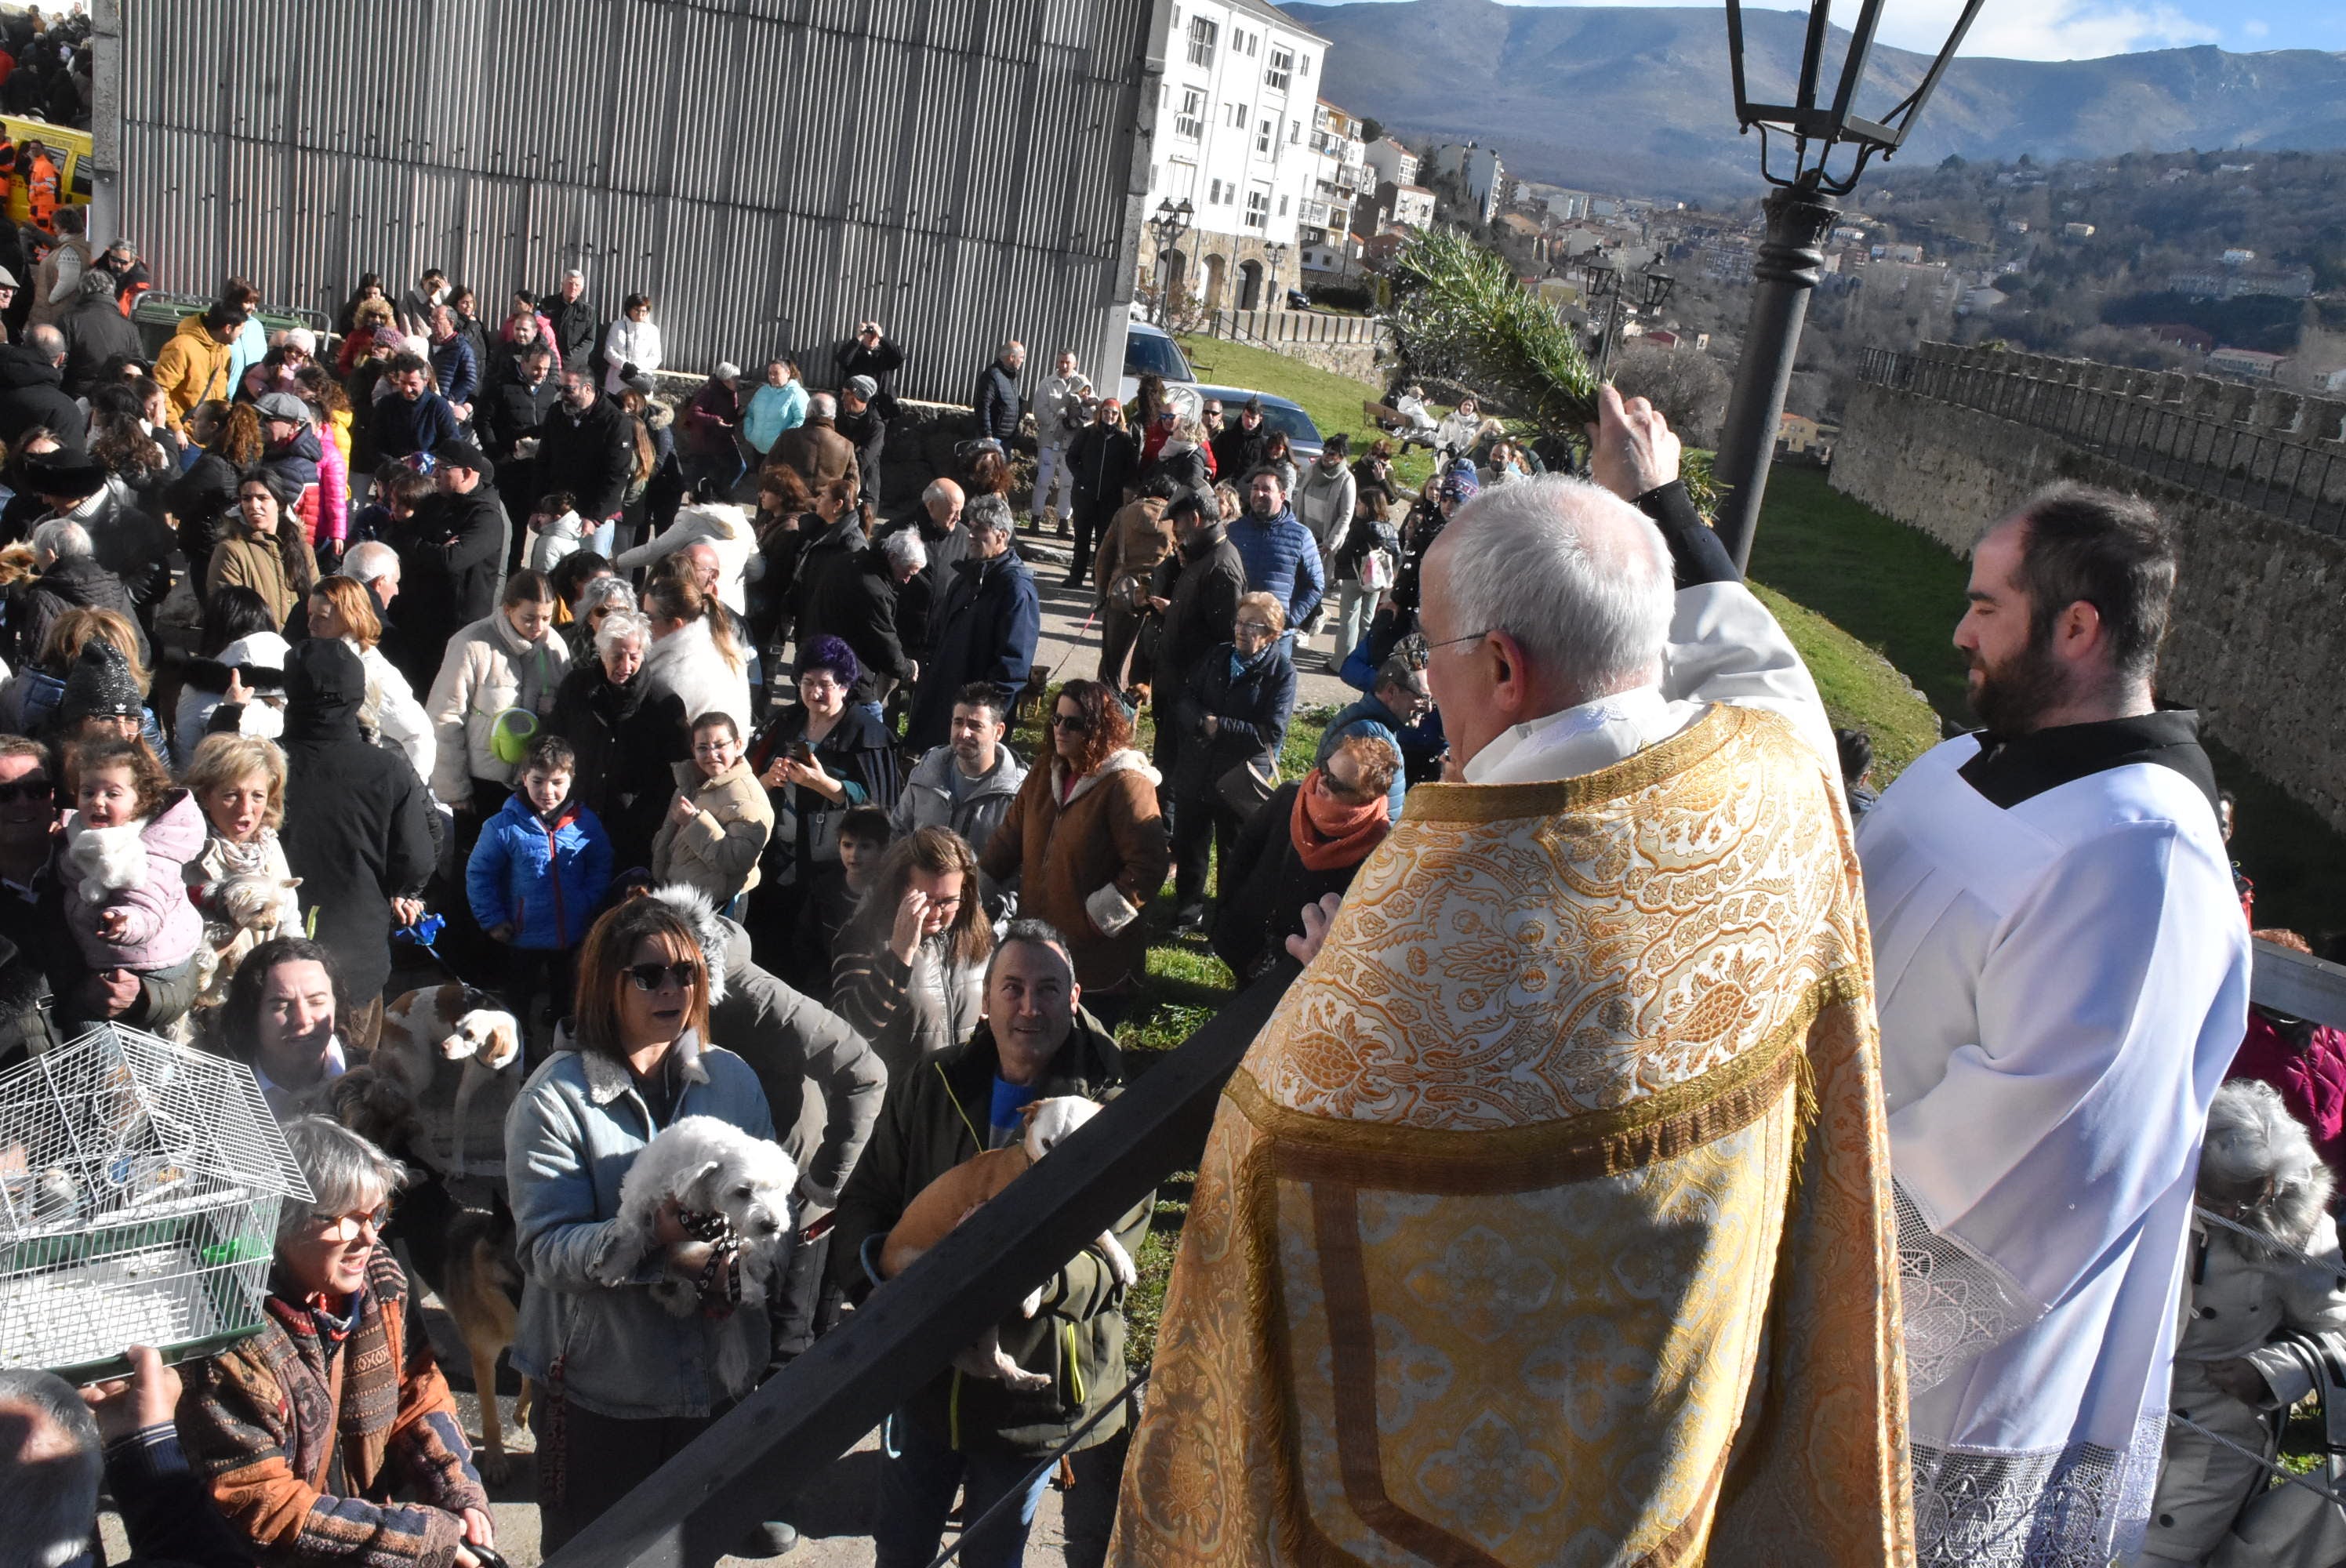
<point>1641,293</point>
<point>1800,211</point>
<point>1276,251</point>
<point>1171,225</point>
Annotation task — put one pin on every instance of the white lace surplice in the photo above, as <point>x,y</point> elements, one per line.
<point>2061,986</point>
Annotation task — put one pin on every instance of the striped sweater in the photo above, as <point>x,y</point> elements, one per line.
<point>254,1420</point>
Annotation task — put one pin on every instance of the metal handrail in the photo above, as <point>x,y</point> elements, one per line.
<point>774,1444</point>
<point>2292,479</point>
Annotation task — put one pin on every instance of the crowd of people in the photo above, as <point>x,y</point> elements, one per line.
<point>706,755</point>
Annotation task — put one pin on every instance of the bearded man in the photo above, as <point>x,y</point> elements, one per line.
<point>1547,1221</point>
<point>2064,975</point>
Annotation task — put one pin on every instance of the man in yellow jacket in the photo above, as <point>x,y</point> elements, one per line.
<point>193,367</point>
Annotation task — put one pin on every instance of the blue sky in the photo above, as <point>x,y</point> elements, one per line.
<point>2082,29</point>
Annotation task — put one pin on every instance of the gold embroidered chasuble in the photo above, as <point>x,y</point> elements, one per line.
<point>1548,1220</point>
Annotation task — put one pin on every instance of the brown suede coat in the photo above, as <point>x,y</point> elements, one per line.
<point>1109,830</point>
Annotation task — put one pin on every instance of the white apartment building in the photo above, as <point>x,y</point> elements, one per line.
<point>1234,139</point>
<point>1476,175</point>
<point>1410,205</point>
<point>1390,162</point>
<point>1340,187</point>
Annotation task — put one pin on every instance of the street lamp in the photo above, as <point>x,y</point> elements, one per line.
<point>1274,252</point>
<point>1171,225</point>
<point>1638,293</point>
<point>1800,211</point>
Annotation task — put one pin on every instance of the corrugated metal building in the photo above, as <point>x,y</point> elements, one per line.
<point>772,171</point>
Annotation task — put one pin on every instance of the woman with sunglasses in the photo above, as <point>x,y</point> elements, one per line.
<point>623,1385</point>
<point>1085,842</point>
<point>302,1434</point>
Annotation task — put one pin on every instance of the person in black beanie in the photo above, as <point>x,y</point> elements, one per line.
<point>357,829</point>
<point>102,697</point>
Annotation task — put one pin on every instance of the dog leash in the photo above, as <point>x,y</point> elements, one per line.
<point>1042,1468</point>
<point>720,1282</point>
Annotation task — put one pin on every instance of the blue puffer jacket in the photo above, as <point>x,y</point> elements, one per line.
<point>577,1127</point>
<point>545,881</point>
<point>1282,560</point>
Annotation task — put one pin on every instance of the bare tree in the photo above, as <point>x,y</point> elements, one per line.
<point>1688,385</point>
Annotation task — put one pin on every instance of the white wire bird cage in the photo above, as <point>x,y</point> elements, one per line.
<point>140,1183</point>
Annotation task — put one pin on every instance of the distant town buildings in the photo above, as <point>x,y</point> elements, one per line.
<point>1391,163</point>
<point>2241,279</point>
<point>1474,174</point>
<point>1338,185</point>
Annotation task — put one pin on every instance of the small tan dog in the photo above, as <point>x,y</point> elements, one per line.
<point>962,1191</point>
<point>451,1023</point>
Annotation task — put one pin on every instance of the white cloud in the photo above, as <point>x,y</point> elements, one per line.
<point>2253,28</point>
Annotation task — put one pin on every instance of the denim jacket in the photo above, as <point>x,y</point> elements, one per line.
<point>570,1137</point>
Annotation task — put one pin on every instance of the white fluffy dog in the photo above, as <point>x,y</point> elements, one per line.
<point>110,860</point>
<point>707,1166</point>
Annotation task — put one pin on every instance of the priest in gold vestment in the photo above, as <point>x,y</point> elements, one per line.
<point>1547,1222</point>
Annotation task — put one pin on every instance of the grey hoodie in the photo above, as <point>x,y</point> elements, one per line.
<point>927,800</point>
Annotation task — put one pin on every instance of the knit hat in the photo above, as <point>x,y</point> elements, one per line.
<point>1459,484</point>
<point>301,338</point>
<point>727,370</point>
<point>863,387</point>
<point>282,405</point>
<point>99,685</point>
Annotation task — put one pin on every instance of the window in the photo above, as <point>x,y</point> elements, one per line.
<point>1254,42</point>
<point>1235,115</point>
<point>1190,123</point>
<point>1263,136</point>
<point>1302,65</point>
<point>1294,132</point>
<point>1215,195</point>
<point>1281,70</point>
<point>1258,213</point>
<point>1282,207</point>
<point>1202,34</point>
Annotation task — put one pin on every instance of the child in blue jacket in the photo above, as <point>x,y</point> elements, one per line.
<point>537,876</point>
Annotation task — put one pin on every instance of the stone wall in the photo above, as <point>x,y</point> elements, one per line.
<point>1354,346</point>
<point>2257,642</point>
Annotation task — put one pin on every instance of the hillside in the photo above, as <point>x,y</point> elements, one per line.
<point>1634,100</point>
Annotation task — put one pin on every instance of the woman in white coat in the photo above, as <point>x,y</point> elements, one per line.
<point>512,657</point>
<point>693,654</point>
<point>634,339</point>
<point>341,608</point>
<point>725,529</point>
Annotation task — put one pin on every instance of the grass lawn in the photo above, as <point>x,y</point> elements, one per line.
<point>1333,402</point>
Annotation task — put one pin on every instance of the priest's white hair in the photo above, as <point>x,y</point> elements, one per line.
<point>1575,575</point>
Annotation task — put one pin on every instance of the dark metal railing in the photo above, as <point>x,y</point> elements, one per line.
<point>772,1446</point>
<point>2267,471</point>
<point>779,1439</point>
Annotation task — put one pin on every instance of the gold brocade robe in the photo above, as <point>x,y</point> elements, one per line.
<point>1547,1223</point>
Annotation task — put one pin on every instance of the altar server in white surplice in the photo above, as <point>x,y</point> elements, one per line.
<point>2063,976</point>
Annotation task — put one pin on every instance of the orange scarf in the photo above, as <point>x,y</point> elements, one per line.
<point>1329,833</point>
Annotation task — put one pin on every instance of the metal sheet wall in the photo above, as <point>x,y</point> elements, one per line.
<point>772,171</point>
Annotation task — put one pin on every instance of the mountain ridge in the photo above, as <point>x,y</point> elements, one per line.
<point>1636,99</point>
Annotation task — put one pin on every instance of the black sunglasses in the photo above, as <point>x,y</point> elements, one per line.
<point>26,789</point>
<point>652,977</point>
<point>1074,721</point>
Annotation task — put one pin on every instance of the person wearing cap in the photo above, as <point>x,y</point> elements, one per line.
<point>357,829</point>
<point>99,338</point>
<point>1401,699</point>
<point>712,422</point>
<point>1239,450</point>
<point>777,407</point>
<point>454,549</point>
<point>859,421</point>
<point>870,353</point>
<point>292,452</point>
<point>32,388</point>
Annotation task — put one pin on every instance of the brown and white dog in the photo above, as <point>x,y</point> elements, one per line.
<point>960,1192</point>
<point>451,1023</point>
